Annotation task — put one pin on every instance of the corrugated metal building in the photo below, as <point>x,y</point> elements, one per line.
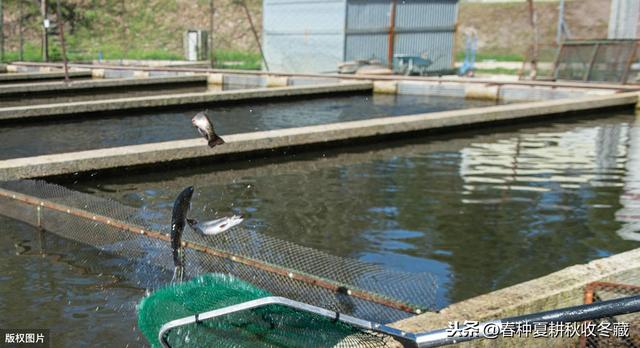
<point>316,35</point>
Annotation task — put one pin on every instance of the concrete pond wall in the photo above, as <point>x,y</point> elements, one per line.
<point>559,289</point>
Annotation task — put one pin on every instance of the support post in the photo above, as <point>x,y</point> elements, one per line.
<point>125,30</point>
<point>45,38</point>
<point>21,31</point>
<point>534,51</point>
<point>1,32</point>
<point>560,28</point>
<point>64,48</point>
<point>592,60</point>
<point>391,39</point>
<point>211,51</point>
<point>255,32</point>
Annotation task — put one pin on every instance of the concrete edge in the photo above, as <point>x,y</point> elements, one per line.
<point>84,107</point>
<point>41,76</point>
<point>101,83</point>
<point>559,289</point>
<point>585,85</point>
<point>321,135</point>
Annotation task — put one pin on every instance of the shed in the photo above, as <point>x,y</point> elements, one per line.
<point>315,36</point>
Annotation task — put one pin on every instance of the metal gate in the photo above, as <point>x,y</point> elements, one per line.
<point>381,29</point>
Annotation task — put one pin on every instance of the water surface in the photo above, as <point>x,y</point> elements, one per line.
<point>81,295</point>
<point>480,211</point>
<point>102,93</point>
<point>154,126</point>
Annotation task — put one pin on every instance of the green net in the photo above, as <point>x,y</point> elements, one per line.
<point>269,326</point>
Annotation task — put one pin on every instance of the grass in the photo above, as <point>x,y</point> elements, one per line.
<point>224,58</point>
<point>492,56</point>
<point>238,60</point>
<point>498,71</point>
<point>30,53</point>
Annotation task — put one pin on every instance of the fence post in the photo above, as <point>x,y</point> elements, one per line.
<point>45,38</point>
<point>1,33</point>
<point>20,29</point>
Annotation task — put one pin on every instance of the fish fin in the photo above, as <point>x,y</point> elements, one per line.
<point>215,140</point>
<point>193,223</point>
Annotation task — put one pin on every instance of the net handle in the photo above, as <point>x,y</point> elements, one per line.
<point>406,338</point>
<point>574,314</point>
<point>300,276</point>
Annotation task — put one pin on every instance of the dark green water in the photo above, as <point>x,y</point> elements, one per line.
<point>481,211</point>
<point>126,128</point>
<point>82,296</point>
<point>25,99</point>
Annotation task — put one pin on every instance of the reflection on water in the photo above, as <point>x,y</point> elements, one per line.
<point>158,126</point>
<point>629,214</point>
<point>481,212</point>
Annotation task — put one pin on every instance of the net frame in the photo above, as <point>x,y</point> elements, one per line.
<point>343,285</point>
<point>371,334</point>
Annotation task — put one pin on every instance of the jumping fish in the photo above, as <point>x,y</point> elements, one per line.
<point>213,227</point>
<point>181,207</point>
<point>205,128</point>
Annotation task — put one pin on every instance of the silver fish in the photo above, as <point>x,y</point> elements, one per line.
<point>205,128</point>
<point>213,227</point>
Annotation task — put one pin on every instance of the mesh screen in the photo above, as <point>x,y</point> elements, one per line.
<point>596,61</point>
<point>363,290</point>
<point>610,62</point>
<point>601,291</point>
<point>573,62</point>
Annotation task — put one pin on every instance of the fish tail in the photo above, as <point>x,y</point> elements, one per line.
<point>215,140</point>
<point>177,257</point>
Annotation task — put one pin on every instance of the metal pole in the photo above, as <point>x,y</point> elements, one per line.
<point>1,33</point>
<point>20,29</point>
<point>560,28</point>
<point>125,30</point>
<point>45,38</point>
<point>211,52</point>
<point>534,52</point>
<point>255,33</point>
<point>392,28</point>
<point>64,49</point>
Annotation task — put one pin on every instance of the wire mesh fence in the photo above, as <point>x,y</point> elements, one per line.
<point>280,267</point>
<point>612,61</point>
<point>630,323</point>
